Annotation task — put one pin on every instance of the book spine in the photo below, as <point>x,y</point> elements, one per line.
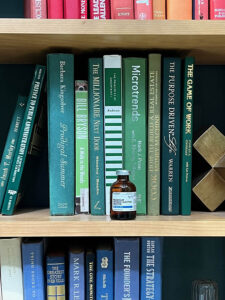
<point>100,9</point>
<point>55,9</point>
<point>179,10</point>
<point>154,129</point>
<point>55,275</point>
<point>76,276</point>
<point>11,269</point>
<point>159,9</point>
<point>90,281</point>
<point>126,268</point>
<point>186,142</point>
<point>104,277</point>
<point>122,9</point>
<point>151,268</point>
<point>112,121</point>
<point>23,142</point>
<point>60,89</point>
<point>135,106</point>
<point>217,10</point>
<point>201,9</point>
<point>33,272</point>
<point>83,9</point>
<point>96,136</point>
<point>10,145</point>
<point>82,147</point>
<point>38,9</point>
<point>72,9</point>
<point>171,135</point>
<point>143,9</point>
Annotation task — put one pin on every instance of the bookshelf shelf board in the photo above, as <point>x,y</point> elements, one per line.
<point>28,40</point>
<point>39,223</point>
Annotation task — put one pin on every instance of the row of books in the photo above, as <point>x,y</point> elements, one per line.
<point>126,9</point>
<point>119,268</point>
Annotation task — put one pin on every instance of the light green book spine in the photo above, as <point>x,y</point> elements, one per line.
<point>134,116</point>
<point>154,120</point>
<point>112,121</point>
<point>82,152</point>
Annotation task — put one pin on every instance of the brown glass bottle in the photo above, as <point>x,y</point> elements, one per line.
<point>123,197</point>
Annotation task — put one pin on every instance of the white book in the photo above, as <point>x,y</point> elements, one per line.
<point>11,269</point>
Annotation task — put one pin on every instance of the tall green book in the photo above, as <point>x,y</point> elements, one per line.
<point>134,121</point>
<point>82,151</point>
<point>154,128</point>
<point>186,136</point>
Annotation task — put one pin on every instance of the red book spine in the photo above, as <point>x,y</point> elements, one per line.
<point>201,10</point>
<point>36,9</point>
<point>72,9</point>
<point>55,9</point>
<point>99,9</point>
<point>217,9</point>
<point>122,9</point>
<point>143,9</point>
<point>83,9</point>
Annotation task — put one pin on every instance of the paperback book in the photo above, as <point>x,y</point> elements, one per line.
<point>99,9</point>
<point>35,9</point>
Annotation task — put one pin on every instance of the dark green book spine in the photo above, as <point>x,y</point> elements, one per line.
<point>186,137</point>
<point>96,136</point>
<point>171,135</point>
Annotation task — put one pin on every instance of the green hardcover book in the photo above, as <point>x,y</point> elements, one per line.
<point>82,151</point>
<point>154,121</point>
<point>186,136</point>
<point>113,121</point>
<point>134,120</point>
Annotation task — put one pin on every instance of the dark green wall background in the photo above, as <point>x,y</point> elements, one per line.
<point>11,9</point>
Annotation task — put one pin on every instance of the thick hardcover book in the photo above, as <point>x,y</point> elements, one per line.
<point>217,10</point>
<point>76,274</point>
<point>200,9</point>
<point>10,145</point>
<point>55,9</point>
<point>151,268</point>
<point>179,10</point>
<point>135,125</point>
<point>154,129</point>
<point>126,278</point>
<point>122,9</point>
<point>72,9</point>
<point>60,89</point>
<point>186,136</point>
<point>83,9</point>
<point>90,282</point>
<point>143,9</point>
<point>33,269</point>
<point>99,9</point>
<point>36,9</point>
<point>159,9</point>
<point>96,136</point>
<point>11,269</point>
<point>113,121</point>
<point>82,147</point>
<point>24,139</point>
<point>104,273</point>
<point>171,136</point>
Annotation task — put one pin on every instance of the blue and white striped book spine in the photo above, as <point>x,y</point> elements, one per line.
<point>126,285</point>
<point>104,276</point>
<point>33,270</point>
<point>151,268</point>
<point>76,275</point>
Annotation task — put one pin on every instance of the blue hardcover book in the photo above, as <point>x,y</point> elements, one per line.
<point>151,268</point>
<point>104,273</point>
<point>76,274</point>
<point>126,285</point>
<point>10,145</point>
<point>60,89</point>
<point>90,282</point>
<point>33,269</point>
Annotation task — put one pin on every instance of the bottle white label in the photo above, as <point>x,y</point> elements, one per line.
<point>124,201</point>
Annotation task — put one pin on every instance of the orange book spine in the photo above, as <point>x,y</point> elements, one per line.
<point>159,9</point>
<point>179,9</point>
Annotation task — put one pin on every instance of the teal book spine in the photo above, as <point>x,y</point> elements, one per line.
<point>10,145</point>
<point>186,136</point>
<point>60,89</point>
<point>23,142</point>
<point>96,136</point>
<point>171,135</point>
<point>135,123</point>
